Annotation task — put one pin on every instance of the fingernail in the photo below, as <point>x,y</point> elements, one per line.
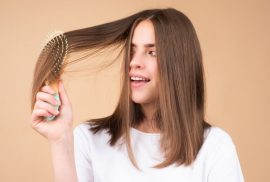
<point>57,102</point>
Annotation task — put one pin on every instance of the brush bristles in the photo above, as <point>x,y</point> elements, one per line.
<point>57,48</point>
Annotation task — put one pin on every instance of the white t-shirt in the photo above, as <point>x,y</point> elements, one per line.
<point>97,161</point>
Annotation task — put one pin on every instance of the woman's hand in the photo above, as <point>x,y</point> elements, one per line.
<point>59,128</point>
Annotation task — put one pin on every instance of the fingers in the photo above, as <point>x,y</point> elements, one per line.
<point>47,98</point>
<point>45,106</point>
<point>37,113</point>
<point>47,89</point>
<point>62,92</point>
<point>37,116</point>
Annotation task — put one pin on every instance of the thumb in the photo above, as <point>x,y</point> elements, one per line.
<point>62,93</point>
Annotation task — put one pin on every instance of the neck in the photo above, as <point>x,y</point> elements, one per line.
<point>149,123</point>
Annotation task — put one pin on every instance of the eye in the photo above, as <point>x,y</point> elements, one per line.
<point>153,53</point>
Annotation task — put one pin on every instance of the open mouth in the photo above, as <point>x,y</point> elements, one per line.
<point>138,82</point>
<point>136,79</point>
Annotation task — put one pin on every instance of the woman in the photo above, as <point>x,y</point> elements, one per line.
<point>157,131</point>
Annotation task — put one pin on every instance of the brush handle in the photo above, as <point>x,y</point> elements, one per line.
<point>56,107</point>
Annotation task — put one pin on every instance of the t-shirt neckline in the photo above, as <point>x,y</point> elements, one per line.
<point>144,133</point>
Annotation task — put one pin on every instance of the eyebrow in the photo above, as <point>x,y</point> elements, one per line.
<point>145,45</point>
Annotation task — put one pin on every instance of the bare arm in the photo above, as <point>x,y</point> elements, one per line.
<point>63,159</point>
<point>59,132</point>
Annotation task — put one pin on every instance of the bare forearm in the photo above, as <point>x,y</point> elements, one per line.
<point>63,159</point>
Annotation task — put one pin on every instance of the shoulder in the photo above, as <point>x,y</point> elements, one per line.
<point>218,145</point>
<point>82,128</point>
<point>217,136</point>
<point>83,133</point>
<point>218,153</point>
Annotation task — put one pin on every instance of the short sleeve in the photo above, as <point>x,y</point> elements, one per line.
<point>226,165</point>
<point>82,154</point>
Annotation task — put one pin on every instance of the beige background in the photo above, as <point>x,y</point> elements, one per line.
<point>235,41</point>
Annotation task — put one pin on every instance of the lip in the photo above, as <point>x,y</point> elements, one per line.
<point>137,75</point>
<point>135,84</point>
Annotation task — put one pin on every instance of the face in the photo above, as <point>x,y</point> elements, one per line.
<point>143,65</point>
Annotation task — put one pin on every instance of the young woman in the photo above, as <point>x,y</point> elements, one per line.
<point>157,131</point>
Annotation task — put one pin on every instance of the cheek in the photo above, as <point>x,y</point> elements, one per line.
<point>154,72</point>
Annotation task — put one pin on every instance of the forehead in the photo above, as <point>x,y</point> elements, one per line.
<point>144,33</point>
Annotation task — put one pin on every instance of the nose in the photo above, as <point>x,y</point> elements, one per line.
<point>136,62</point>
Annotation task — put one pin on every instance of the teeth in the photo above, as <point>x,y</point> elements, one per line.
<point>138,78</point>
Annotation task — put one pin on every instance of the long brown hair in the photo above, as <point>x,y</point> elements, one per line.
<point>180,106</point>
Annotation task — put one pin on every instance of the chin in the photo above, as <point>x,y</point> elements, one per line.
<point>141,100</point>
<point>138,101</point>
